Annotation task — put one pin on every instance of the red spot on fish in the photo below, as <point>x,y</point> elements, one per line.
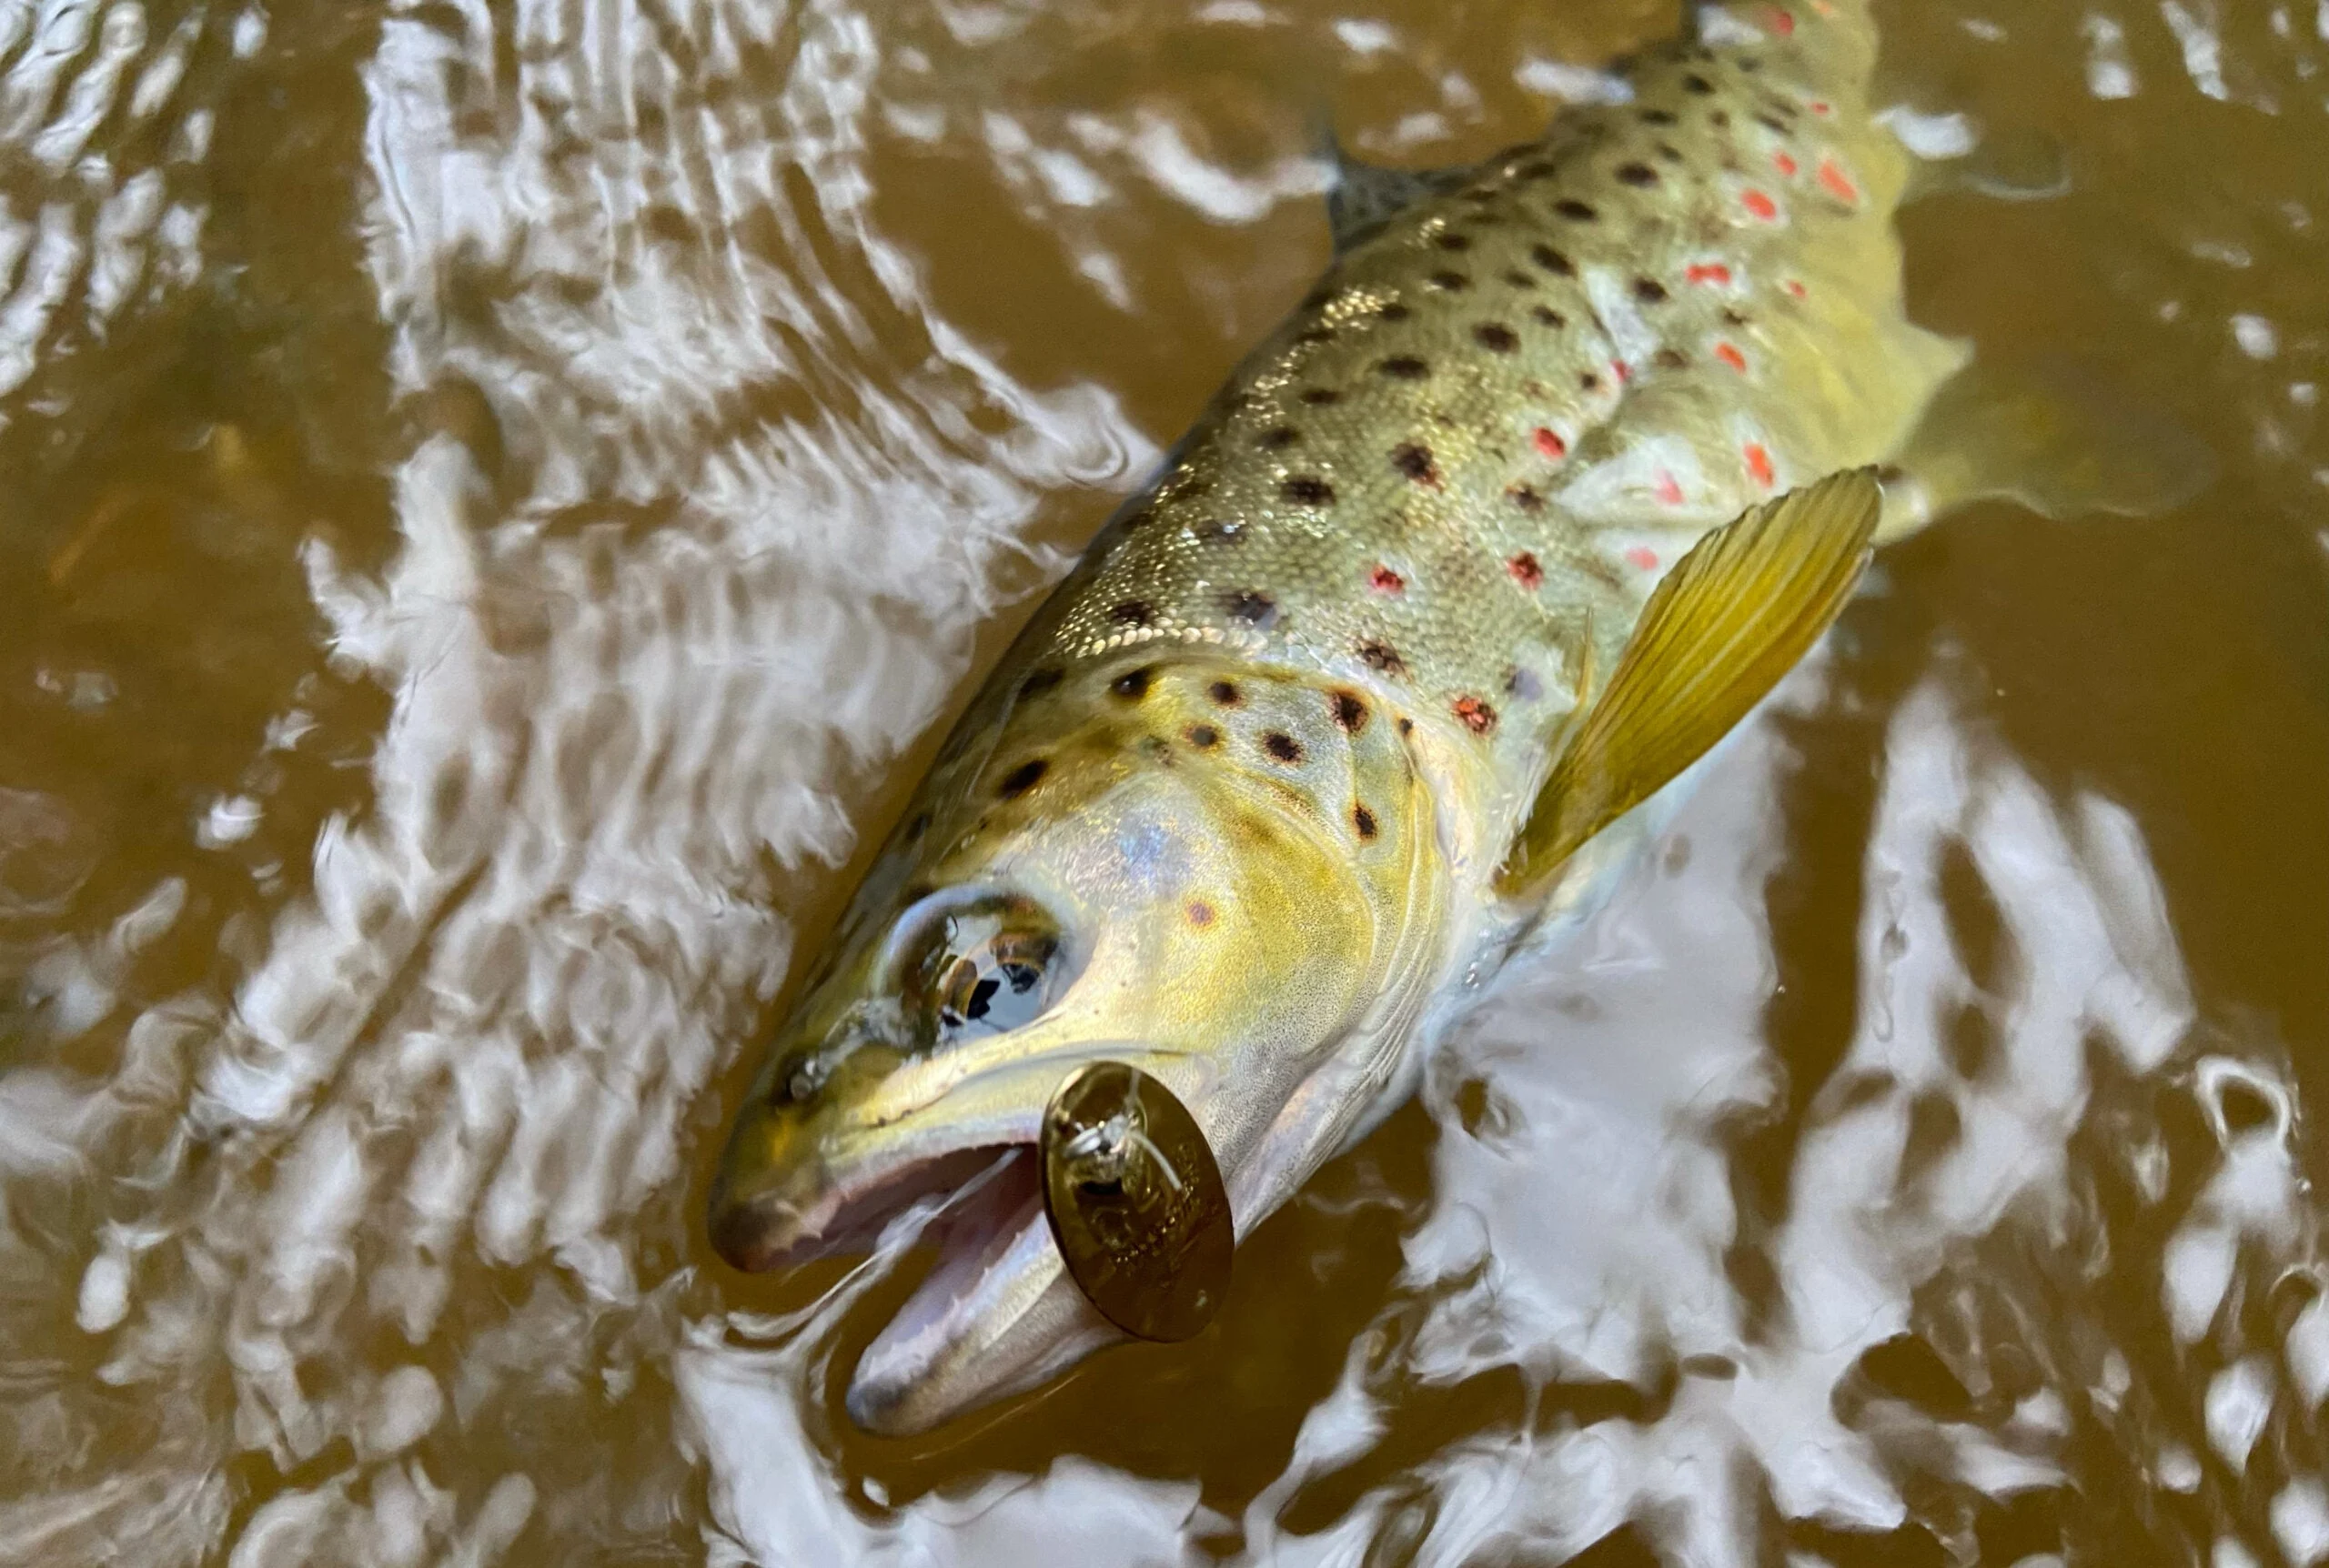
<point>1780,22</point>
<point>1621,370</point>
<point>1785,162</point>
<point>1729,354</point>
<point>1823,7</point>
<point>1838,183</point>
<point>1760,206</point>
<point>1795,286</point>
<point>1642,558</point>
<point>1553,447</point>
<point>1708,272</point>
<point>1525,571</point>
<point>1383,580</point>
<point>1669,490</point>
<point>1759,463</point>
<point>1478,716</point>
<point>1822,107</point>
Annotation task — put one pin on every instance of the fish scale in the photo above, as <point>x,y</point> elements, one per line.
<point>1505,414</point>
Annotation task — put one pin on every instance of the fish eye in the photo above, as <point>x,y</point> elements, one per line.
<point>985,969</point>
<point>997,986</point>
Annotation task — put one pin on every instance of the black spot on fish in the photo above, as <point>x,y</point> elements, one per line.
<point>1278,437</point>
<point>1133,612</point>
<point>1670,153</point>
<point>1496,337</point>
<point>1307,491</point>
<point>1133,685</point>
<point>1589,381</point>
<point>1734,316</point>
<point>1649,291</point>
<point>1039,681</point>
<point>1226,693</point>
<point>1316,334</point>
<point>1220,531</point>
<point>1480,194</point>
<point>1519,279</point>
<point>1450,281</point>
<point>1319,396</point>
<point>1451,240</point>
<point>1552,261</point>
<point>1670,359</point>
<point>1283,747</point>
<point>1547,316</point>
<point>1636,174</point>
<point>1319,300</point>
<point>1185,485</point>
<point>1576,211</point>
<point>1024,777</point>
<point>1405,368</point>
<point>1520,683</point>
<point>1203,737</point>
<point>1351,711</point>
<point>1257,609</point>
<point>1541,169</point>
<point>917,827</point>
<point>1751,63</point>
<point>1393,311</point>
<point>1656,117</point>
<point>1380,655</point>
<point>1694,83</point>
<point>1720,119</point>
<point>1364,821</point>
<point>1415,462</point>
<point>1526,497</point>
<point>1407,725</point>
<point>1772,123</point>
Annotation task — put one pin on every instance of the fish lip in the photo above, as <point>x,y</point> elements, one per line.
<point>838,1202</point>
<point>822,1209</point>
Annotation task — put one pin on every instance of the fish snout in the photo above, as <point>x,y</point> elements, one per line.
<point>753,1237</point>
<point>771,1203</point>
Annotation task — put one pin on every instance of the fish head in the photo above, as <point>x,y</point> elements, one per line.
<point>1215,883</point>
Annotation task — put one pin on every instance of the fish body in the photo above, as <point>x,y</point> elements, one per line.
<point>1234,807</point>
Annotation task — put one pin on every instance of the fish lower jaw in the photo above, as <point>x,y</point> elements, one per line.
<point>995,1315</point>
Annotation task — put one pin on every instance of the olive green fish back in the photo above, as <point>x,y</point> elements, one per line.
<point>1453,477</point>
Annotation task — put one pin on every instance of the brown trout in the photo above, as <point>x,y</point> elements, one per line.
<point>1569,457</point>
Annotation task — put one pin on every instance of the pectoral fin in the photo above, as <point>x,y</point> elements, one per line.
<point>1732,617</point>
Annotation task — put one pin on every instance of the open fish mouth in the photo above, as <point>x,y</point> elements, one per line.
<point>995,1312</point>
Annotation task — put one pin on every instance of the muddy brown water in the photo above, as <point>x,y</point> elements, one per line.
<point>500,499</point>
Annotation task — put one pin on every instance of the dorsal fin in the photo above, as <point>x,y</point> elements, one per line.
<point>1361,197</point>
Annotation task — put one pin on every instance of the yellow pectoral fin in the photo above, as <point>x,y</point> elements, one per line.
<point>1732,617</point>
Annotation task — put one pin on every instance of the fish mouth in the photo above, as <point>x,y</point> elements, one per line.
<point>996,1313</point>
